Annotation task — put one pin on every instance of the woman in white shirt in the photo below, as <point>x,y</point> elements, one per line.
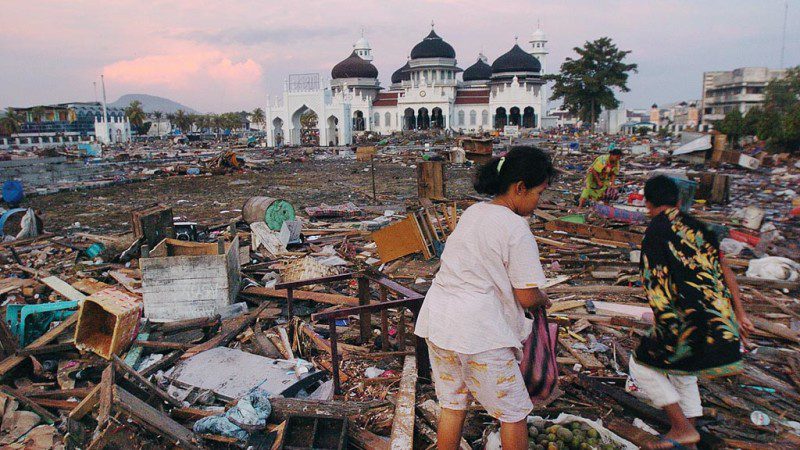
<point>473,317</point>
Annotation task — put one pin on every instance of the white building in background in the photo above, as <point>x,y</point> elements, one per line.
<point>425,93</point>
<point>612,120</point>
<point>117,131</point>
<point>741,89</point>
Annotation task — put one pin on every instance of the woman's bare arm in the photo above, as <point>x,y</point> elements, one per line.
<point>531,298</point>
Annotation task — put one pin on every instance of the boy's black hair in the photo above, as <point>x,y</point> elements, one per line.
<point>615,151</point>
<point>528,164</point>
<point>661,191</point>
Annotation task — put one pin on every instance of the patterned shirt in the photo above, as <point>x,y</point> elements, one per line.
<point>695,331</point>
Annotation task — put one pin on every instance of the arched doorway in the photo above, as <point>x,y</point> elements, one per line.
<point>528,118</point>
<point>304,127</point>
<point>358,121</point>
<point>514,117</point>
<point>500,118</point>
<point>333,130</point>
<point>437,118</point>
<point>423,119</point>
<point>277,131</point>
<point>409,119</point>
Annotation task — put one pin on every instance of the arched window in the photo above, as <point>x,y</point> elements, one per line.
<point>473,117</point>
<point>376,119</point>
<point>485,117</point>
<point>387,119</point>
<point>461,118</point>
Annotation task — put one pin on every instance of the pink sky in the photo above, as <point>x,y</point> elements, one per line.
<point>228,55</point>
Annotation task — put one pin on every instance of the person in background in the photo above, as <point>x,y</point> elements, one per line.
<point>600,177</point>
<point>473,316</point>
<point>699,318</point>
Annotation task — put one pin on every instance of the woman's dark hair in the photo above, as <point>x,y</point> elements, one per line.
<point>661,191</point>
<point>615,151</point>
<point>528,164</point>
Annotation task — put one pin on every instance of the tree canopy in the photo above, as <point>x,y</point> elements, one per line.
<point>586,84</point>
<point>136,115</point>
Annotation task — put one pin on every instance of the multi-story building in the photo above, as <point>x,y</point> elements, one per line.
<point>739,89</point>
<point>63,123</point>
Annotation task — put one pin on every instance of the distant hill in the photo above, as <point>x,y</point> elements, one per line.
<point>152,103</point>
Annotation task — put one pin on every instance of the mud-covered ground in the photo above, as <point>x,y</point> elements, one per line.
<point>212,200</point>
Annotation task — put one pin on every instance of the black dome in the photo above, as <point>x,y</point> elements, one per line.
<point>433,47</point>
<point>401,74</point>
<point>478,71</point>
<point>516,60</point>
<point>354,67</point>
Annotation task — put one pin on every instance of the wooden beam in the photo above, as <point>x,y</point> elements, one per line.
<point>46,415</point>
<point>403,424</point>
<point>282,408</point>
<point>591,231</point>
<point>320,297</point>
<point>86,405</point>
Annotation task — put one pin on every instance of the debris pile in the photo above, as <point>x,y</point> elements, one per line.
<point>287,319</point>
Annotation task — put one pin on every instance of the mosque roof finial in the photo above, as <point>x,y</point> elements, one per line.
<point>362,32</point>
<point>432,24</point>
<point>516,40</point>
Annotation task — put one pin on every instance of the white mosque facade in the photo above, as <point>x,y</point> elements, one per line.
<point>429,92</point>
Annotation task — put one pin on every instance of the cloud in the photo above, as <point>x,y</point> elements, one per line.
<point>181,70</point>
<point>261,35</point>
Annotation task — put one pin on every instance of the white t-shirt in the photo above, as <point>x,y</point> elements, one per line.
<point>470,308</point>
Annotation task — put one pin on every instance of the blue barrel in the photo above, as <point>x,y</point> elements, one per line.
<point>13,193</point>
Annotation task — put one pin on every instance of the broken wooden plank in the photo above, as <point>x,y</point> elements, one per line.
<point>154,420</point>
<point>228,331</point>
<point>591,231</point>
<point>149,387</point>
<point>86,405</point>
<point>776,329</point>
<point>367,440</point>
<point>399,239</point>
<point>63,288</point>
<point>282,408</point>
<point>321,297</point>
<point>90,286</point>
<point>13,361</point>
<point>106,397</point>
<point>403,424</point>
<point>772,284</point>
<point>46,415</point>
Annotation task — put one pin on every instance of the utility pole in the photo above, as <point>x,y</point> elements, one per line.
<point>783,38</point>
<point>106,132</point>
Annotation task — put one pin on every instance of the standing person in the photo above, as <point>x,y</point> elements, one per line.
<point>473,316</point>
<point>600,176</point>
<point>699,318</point>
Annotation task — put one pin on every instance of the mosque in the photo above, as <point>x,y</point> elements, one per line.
<point>429,91</point>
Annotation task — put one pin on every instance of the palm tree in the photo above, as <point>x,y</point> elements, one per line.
<point>37,112</point>
<point>182,120</point>
<point>10,123</point>
<point>135,114</point>
<point>158,115</point>
<point>258,117</point>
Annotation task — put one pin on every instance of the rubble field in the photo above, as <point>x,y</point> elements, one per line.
<point>263,298</point>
